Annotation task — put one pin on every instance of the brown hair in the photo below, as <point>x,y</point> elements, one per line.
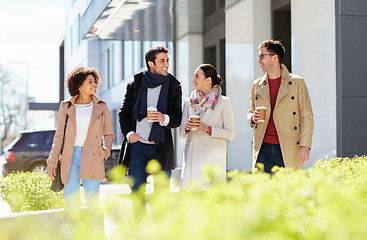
<point>275,47</point>
<point>77,77</point>
<point>151,54</point>
<point>210,71</point>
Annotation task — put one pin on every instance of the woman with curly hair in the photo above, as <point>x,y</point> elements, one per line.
<point>87,141</point>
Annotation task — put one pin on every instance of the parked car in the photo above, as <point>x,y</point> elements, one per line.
<point>30,151</point>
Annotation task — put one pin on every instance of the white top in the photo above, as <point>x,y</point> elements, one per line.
<point>143,127</point>
<point>83,115</point>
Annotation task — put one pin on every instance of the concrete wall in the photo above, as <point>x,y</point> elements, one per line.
<point>351,59</point>
<point>244,31</point>
<point>313,58</point>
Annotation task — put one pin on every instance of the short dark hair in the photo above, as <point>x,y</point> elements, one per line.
<point>77,77</point>
<point>275,47</point>
<point>210,71</point>
<point>151,54</point>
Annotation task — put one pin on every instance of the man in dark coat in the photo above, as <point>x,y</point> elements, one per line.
<point>146,140</point>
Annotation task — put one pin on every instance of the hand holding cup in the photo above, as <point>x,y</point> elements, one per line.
<point>259,114</point>
<point>192,123</point>
<point>150,110</point>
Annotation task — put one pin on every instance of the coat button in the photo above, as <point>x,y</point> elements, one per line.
<point>294,113</point>
<point>295,128</point>
<point>256,98</point>
<point>290,83</point>
<point>292,97</point>
<point>297,143</point>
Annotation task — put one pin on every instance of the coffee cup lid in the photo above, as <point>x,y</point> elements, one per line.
<point>152,108</point>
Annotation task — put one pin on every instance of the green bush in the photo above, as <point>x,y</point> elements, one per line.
<point>29,191</point>
<point>327,201</point>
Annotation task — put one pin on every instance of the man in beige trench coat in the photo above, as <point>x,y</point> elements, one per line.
<point>284,138</point>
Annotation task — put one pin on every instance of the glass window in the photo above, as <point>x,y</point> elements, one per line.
<point>71,40</point>
<point>209,7</point>
<point>128,59</point>
<point>146,46</point>
<point>78,30</point>
<point>122,61</point>
<point>137,56</point>
<point>108,69</point>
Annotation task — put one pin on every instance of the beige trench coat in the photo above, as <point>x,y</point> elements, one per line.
<point>292,116</point>
<point>94,151</point>
<point>201,148</point>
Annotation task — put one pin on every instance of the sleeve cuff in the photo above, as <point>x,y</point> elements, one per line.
<point>128,135</point>
<point>210,130</point>
<point>166,121</point>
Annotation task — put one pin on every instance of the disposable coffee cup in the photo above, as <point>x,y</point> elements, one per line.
<point>149,111</point>
<point>262,111</point>
<point>195,119</point>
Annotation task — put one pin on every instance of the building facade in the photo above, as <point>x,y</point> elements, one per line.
<point>324,41</point>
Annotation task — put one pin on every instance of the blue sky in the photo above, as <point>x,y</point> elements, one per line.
<point>31,32</point>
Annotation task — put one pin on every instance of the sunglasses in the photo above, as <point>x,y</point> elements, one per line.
<point>261,55</point>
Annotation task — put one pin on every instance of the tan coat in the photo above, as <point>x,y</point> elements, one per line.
<point>94,152</point>
<point>201,148</point>
<point>292,116</point>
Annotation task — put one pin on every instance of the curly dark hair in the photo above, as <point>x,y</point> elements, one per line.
<point>77,77</point>
<point>210,71</point>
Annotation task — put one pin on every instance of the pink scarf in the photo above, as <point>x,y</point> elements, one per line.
<point>200,102</point>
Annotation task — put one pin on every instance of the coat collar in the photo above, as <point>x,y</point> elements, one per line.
<point>98,108</point>
<point>263,89</point>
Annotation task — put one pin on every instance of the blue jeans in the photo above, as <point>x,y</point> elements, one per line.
<point>91,186</point>
<point>141,154</point>
<point>270,155</point>
<point>91,193</point>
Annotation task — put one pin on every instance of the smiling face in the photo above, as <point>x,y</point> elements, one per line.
<point>89,86</point>
<point>200,82</point>
<point>160,64</point>
<point>267,60</point>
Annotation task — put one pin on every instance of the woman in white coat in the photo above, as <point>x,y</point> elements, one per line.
<point>206,139</point>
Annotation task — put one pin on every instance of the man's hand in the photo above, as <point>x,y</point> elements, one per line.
<point>134,138</point>
<point>51,172</point>
<point>256,115</point>
<point>156,116</point>
<point>304,154</point>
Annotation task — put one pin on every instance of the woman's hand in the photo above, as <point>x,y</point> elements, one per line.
<point>51,172</point>
<point>189,125</point>
<point>202,127</point>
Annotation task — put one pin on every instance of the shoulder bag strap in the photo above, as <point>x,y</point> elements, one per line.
<point>63,137</point>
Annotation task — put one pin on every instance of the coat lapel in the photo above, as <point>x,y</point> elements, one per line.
<point>283,90</point>
<point>284,85</point>
<point>263,89</point>
<point>71,111</point>
<point>96,111</point>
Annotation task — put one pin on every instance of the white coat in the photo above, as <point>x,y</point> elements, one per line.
<point>202,149</point>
